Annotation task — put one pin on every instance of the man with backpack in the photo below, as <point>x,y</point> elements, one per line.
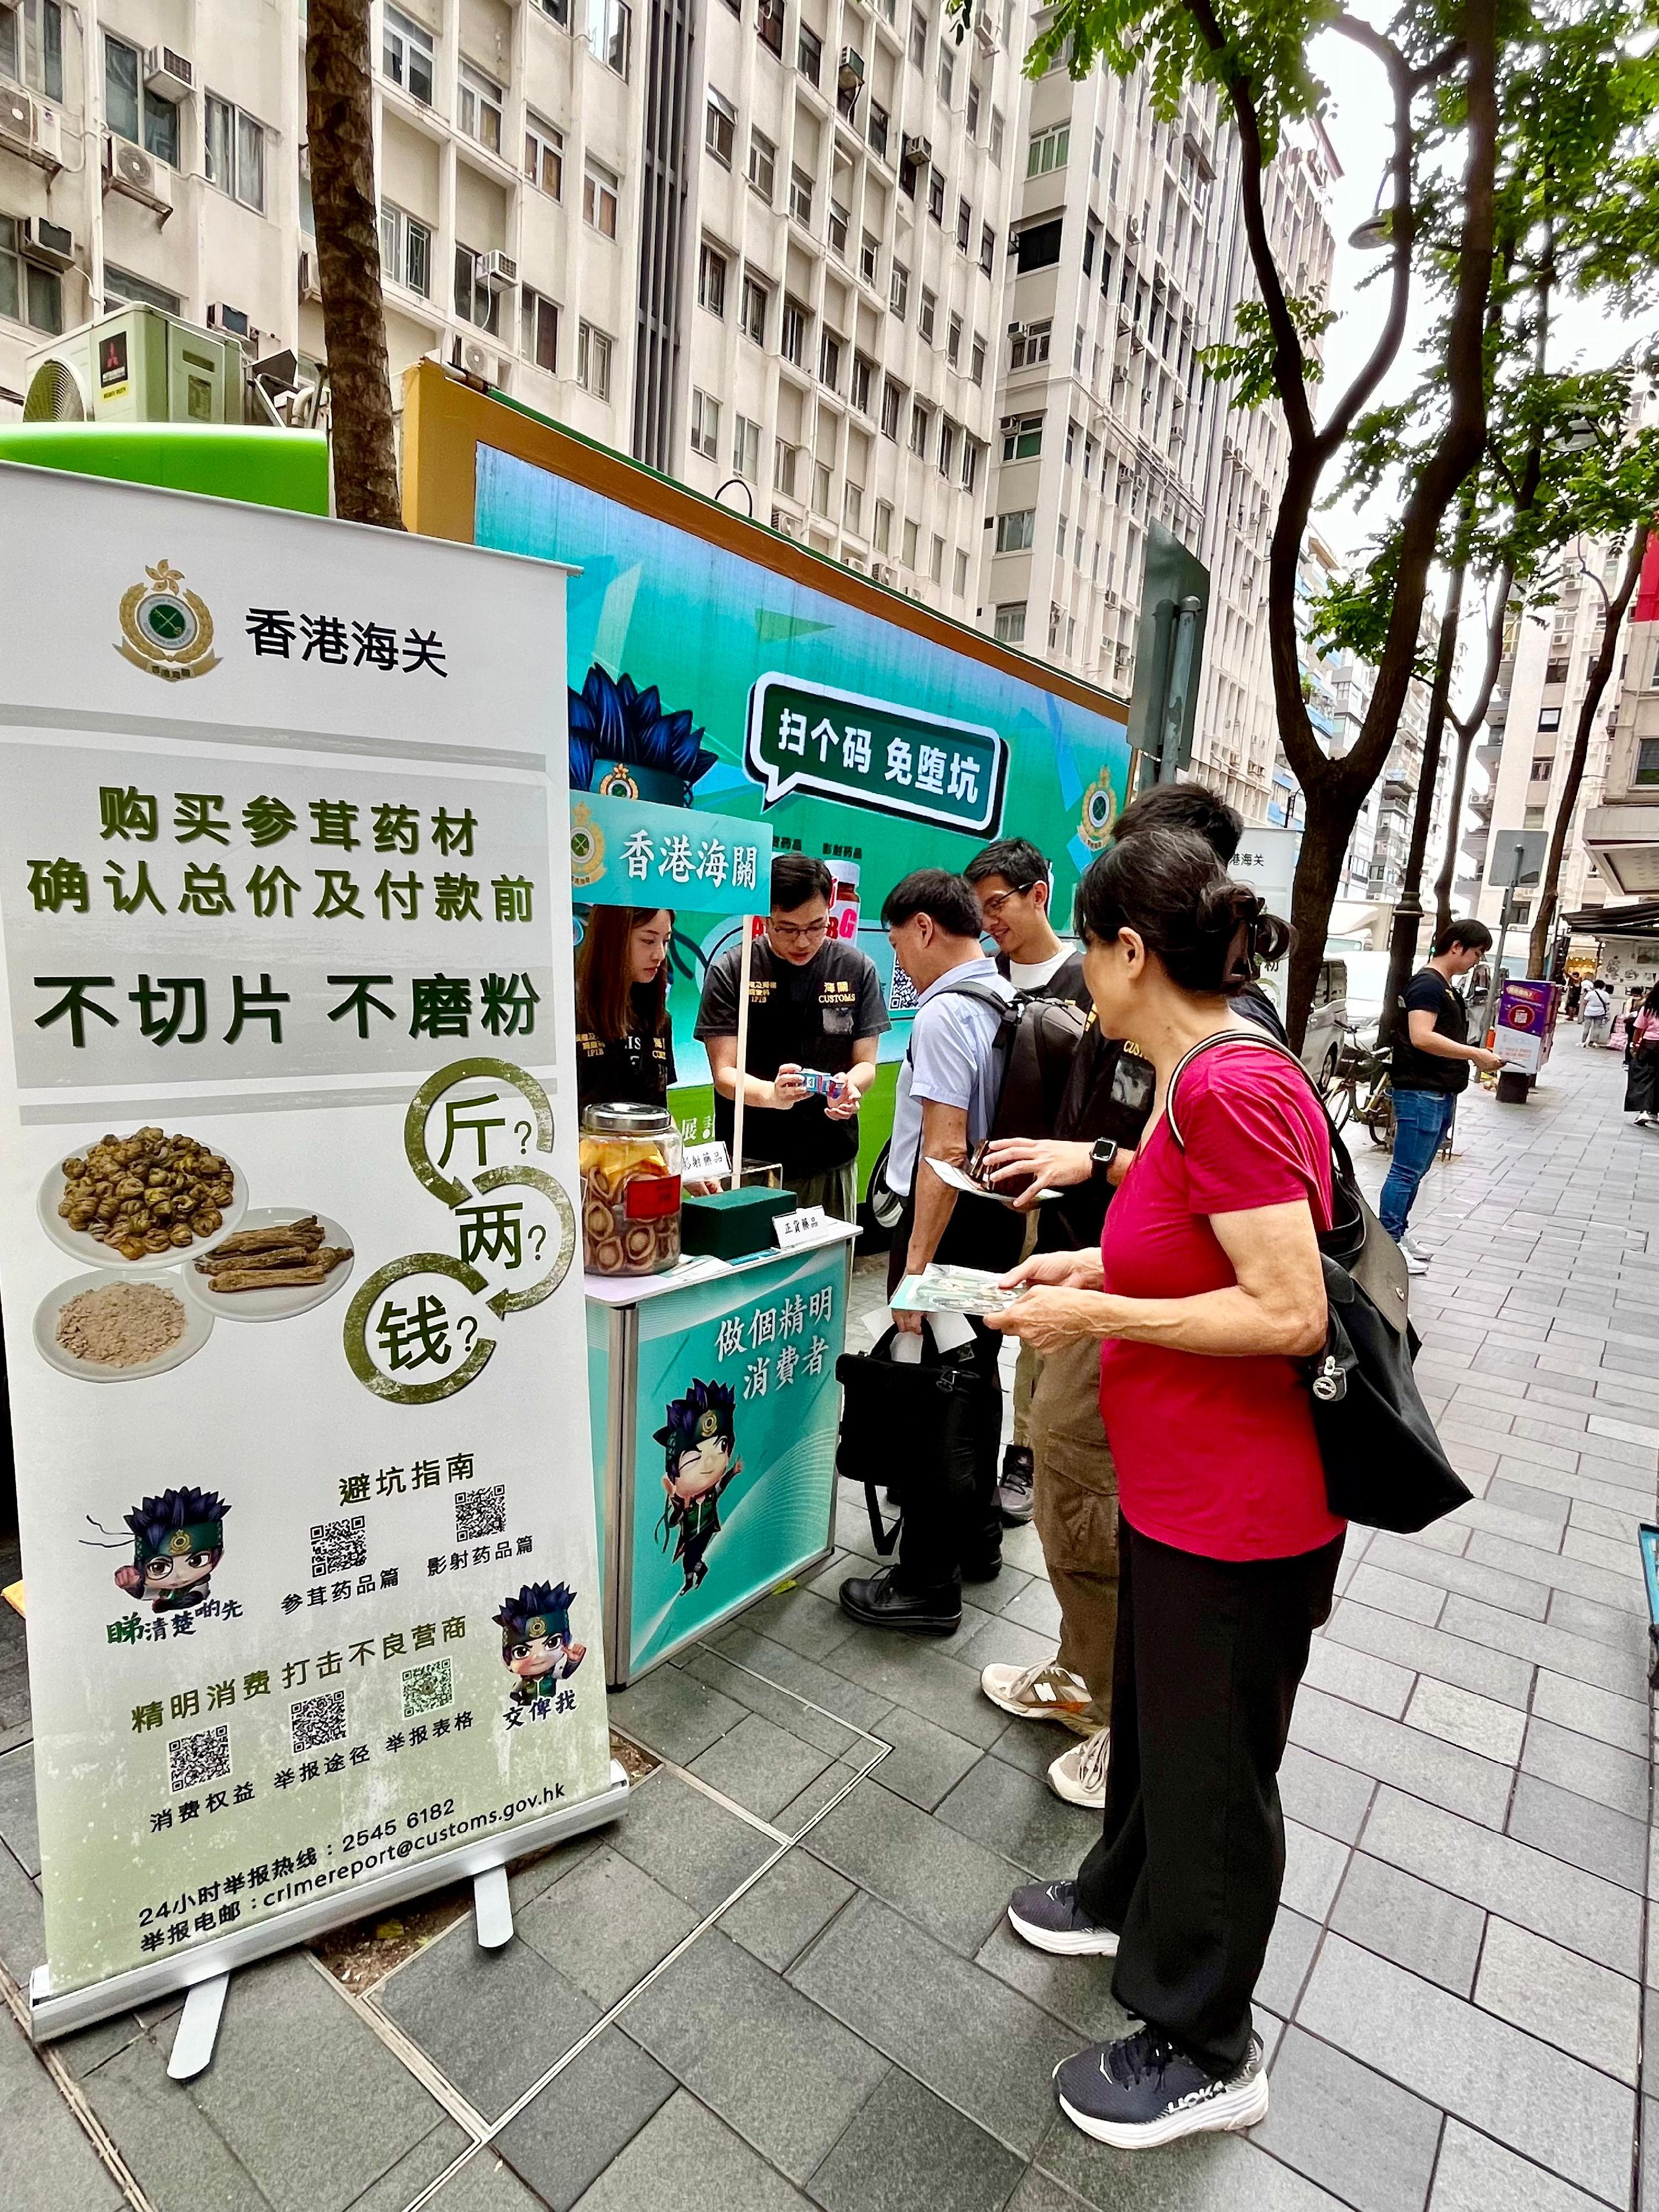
<point>945,1107</point>
<point>1014,884</point>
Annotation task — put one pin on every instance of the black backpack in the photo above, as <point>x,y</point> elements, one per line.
<point>1384,1465</point>
<point>1035,1043</point>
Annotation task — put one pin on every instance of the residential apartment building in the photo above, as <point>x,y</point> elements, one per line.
<point>1532,726</point>
<point>1128,259</point>
<point>1621,832</point>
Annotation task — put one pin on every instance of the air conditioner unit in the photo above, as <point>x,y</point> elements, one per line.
<point>1015,330</point>
<point>1109,598</point>
<point>917,151</point>
<point>168,73</point>
<point>137,175</point>
<point>234,321</point>
<point>1132,227</point>
<point>497,268</point>
<point>135,365</point>
<point>985,33</point>
<point>885,573</point>
<point>48,243</point>
<point>30,128</point>
<point>310,284</point>
<point>851,68</point>
<point>479,361</point>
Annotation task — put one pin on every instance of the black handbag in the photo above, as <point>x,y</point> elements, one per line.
<point>1384,1465</point>
<point>911,1427</point>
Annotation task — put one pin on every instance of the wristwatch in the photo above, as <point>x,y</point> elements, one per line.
<point>1105,1149</point>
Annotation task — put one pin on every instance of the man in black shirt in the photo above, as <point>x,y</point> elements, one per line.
<point>1433,1058</point>
<point>815,1003</point>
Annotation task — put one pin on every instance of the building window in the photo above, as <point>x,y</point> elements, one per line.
<point>234,152</point>
<point>1549,718</point>
<point>918,38</point>
<point>1021,437</point>
<point>870,259</point>
<point>32,45</point>
<point>1030,348</point>
<point>800,195</point>
<point>830,360</point>
<point>783,467</point>
<point>839,219</point>
<point>475,302</point>
<point>538,330</point>
<point>976,359</point>
<point>876,130</point>
<point>769,25</point>
<point>762,164</point>
<point>892,400</point>
<point>558,10</point>
<point>1647,761</point>
<point>478,105</point>
<point>745,448</point>
<point>1542,770</point>
<point>122,284</point>
<point>883,531</point>
<point>406,253</point>
<point>864,377</point>
<point>971,450</point>
<point>28,293</point>
<point>924,313</point>
<point>964,226</point>
<point>947,72</point>
<point>705,426</point>
<point>972,108</point>
<point>593,360</point>
<point>994,147</point>
<point>936,561</point>
<point>543,155</point>
<point>611,33</point>
<point>898,289</point>
<point>1037,246</point>
<point>756,300</point>
<point>1010,625</point>
<point>947,447</point>
<point>711,279</point>
<point>908,538</point>
<point>959,583</point>
<point>600,186</point>
<point>406,55</point>
<point>1014,529</point>
<point>809,54</point>
<point>936,195</point>
<point>987,248</point>
<point>719,127</point>
<point>921,423</point>
<point>1049,151</point>
<point>851,507</point>
<point>953,342</point>
<point>795,320</point>
<point>821,488</point>
<point>133,111</point>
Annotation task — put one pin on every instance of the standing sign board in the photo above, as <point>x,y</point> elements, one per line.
<point>285,1234</point>
<point>1523,1034</point>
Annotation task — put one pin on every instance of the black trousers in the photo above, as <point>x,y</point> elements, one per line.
<point>958,1523</point>
<point>1187,1870</point>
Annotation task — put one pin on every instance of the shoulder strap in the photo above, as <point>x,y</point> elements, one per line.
<point>1262,1044</point>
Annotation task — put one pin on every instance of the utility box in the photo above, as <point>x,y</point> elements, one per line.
<point>138,365</point>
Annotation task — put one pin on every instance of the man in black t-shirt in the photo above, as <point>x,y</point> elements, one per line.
<point>1433,1058</point>
<point>815,1003</point>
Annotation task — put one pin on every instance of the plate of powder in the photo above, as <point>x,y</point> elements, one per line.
<point>110,1327</point>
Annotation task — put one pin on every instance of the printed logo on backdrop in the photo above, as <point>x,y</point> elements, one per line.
<point>873,754</point>
<point>165,630</point>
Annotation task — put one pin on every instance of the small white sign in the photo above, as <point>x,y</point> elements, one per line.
<point>707,1164</point>
<point>800,1227</point>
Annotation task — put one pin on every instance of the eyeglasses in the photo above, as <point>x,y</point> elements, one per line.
<point>797,932</point>
<point>998,900</point>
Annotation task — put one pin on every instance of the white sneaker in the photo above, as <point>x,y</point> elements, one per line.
<point>1079,1775</point>
<point>1417,1263</point>
<point>1048,1693</point>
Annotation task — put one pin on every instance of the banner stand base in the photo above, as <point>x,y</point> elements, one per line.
<point>492,1909</point>
<point>51,2015</point>
<point>197,2030</point>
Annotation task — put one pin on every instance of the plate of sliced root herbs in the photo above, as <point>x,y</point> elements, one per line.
<point>281,1261</point>
<point>118,1327</point>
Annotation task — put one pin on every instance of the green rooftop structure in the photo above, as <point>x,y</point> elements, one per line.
<point>265,467</point>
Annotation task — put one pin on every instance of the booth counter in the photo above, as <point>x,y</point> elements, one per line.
<point>718,1377</point>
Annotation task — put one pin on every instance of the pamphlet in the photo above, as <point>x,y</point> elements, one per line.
<point>957,1180</point>
<point>952,1290</point>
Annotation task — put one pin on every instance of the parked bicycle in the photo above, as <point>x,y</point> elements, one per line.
<point>1359,1089</point>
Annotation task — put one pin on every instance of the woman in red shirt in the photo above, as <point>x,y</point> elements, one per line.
<point>1207,1296</point>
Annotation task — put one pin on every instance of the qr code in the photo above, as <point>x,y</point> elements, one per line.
<point>427,1689</point>
<point>336,1546</point>
<point>319,1721</point>
<point>480,1513</point>
<point>903,996</point>
<point>195,1760</point>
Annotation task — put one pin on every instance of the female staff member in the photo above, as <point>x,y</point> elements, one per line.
<point>624,1038</point>
<point>1206,1294</point>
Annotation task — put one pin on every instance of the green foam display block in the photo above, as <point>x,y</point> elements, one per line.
<point>731,1225</point>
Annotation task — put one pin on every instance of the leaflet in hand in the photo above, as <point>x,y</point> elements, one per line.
<point>952,1290</point>
<point>956,1180</point>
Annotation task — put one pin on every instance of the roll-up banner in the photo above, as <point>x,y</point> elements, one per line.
<point>294,1337</point>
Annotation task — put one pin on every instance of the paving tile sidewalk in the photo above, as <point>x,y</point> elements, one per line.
<point>1455,1994</point>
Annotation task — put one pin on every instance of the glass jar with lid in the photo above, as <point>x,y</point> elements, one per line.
<point>631,1160</point>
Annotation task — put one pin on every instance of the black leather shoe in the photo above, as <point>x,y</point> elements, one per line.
<point>982,1570</point>
<point>875,1603</point>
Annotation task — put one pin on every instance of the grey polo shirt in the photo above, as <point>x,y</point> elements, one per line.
<point>952,1060</point>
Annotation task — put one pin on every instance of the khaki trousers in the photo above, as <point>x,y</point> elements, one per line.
<point>1075,1500</point>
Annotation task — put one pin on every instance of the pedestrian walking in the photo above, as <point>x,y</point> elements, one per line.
<point>1597,1004</point>
<point>1575,993</point>
<point>1207,1296</point>
<point>1432,1062</point>
<point>945,1100</point>
<point>1642,1084</point>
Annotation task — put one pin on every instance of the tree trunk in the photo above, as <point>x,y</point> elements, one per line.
<point>1444,881</point>
<point>1601,669</point>
<point>340,134</point>
<point>1408,914</point>
<point>1329,825</point>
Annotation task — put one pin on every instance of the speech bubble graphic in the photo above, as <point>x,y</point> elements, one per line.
<point>875,754</point>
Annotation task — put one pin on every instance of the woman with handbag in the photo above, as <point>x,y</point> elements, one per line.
<point>1208,1298</point>
<point>1642,1085</point>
